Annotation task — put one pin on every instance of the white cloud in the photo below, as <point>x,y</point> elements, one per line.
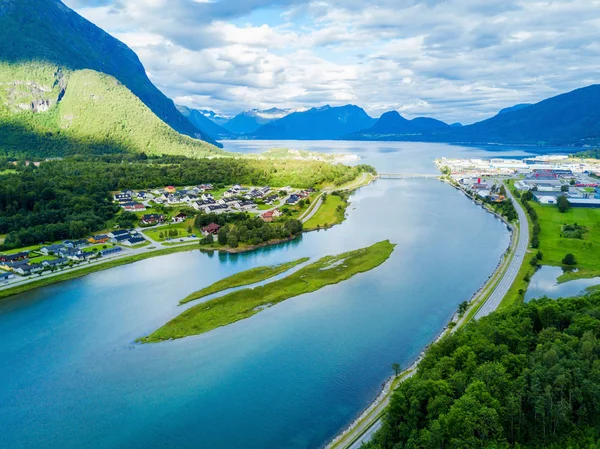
<point>458,60</point>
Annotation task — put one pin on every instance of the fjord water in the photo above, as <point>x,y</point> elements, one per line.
<point>290,377</point>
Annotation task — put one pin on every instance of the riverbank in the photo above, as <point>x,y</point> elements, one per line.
<point>242,304</point>
<point>363,426</point>
<point>32,283</point>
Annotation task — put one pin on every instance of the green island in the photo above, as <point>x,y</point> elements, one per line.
<point>247,277</point>
<point>245,303</point>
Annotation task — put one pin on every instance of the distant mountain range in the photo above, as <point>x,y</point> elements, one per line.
<point>204,124</point>
<point>250,121</point>
<point>317,123</point>
<point>393,124</point>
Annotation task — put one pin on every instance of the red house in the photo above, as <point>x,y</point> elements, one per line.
<point>212,228</point>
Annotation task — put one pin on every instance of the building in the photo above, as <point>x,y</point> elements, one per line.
<point>123,197</point>
<point>133,207</point>
<point>118,233</point>
<point>53,249</point>
<point>271,215</point>
<point>179,218</point>
<point>153,219</point>
<point>134,240</point>
<point>109,251</point>
<point>100,238</point>
<point>212,228</point>
<point>545,199</point>
<point>170,189</point>
<point>55,263</point>
<point>591,203</point>
<point>4,277</point>
<point>23,255</point>
<point>293,199</point>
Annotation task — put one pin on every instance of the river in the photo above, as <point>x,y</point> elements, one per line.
<point>292,376</point>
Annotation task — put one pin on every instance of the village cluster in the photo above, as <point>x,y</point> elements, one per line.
<point>200,198</point>
<point>548,177</point>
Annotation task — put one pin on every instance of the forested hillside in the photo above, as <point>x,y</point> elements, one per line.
<point>47,31</point>
<point>71,198</point>
<point>96,114</point>
<point>525,378</point>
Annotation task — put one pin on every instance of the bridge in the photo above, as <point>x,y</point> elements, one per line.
<point>407,176</point>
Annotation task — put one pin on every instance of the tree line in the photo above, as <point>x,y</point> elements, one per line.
<point>72,198</point>
<point>528,377</point>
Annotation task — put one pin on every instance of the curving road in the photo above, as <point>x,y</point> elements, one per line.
<point>515,265</point>
<point>366,430</point>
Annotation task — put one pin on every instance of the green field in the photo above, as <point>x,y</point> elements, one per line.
<point>244,278</point>
<point>328,214</point>
<point>182,228</point>
<point>554,247</point>
<point>245,303</point>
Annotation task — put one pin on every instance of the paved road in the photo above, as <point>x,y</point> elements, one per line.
<point>511,273</point>
<point>491,304</point>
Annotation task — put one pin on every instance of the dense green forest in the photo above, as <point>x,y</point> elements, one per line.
<point>71,198</point>
<point>528,377</point>
<point>242,228</point>
<point>46,111</point>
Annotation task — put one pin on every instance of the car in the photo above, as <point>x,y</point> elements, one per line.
<point>181,240</point>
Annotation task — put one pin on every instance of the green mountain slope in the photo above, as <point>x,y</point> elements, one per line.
<point>48,31</point>
<point>46,111</point>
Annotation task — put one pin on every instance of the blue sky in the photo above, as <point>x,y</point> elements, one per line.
<point>456,60</point>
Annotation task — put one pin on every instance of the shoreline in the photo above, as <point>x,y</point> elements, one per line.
<point>371,411</point>
<point>31,283</point>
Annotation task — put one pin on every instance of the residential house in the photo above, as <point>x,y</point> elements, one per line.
<point>293,199</point>
<point>14,257</point>
<point>118,233</point>
<point>215,208</point>
<point>269,216</point>
<point>75,243</point>
<point>246,205</point>
<point>212,228</point>
<point>170,189</point>
<point>100,238</point>
<point>55,263</point>
<point>121,238</point>
<point>12,266</point>
<point>133,207</point>
<point>134,240</point>
<point>4,277</point>
<point>25,270</point>
<point>123,197</point>
<point>53,249</point>
<point>153,219</point>
<point>179,218</point>
<point>109,251</point>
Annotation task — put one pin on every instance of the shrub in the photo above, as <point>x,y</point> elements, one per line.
<point>569,259</point>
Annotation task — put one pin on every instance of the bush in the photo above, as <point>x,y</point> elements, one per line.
<point>569,259</point>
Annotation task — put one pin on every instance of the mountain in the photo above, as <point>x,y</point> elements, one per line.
<point>81,112</point>
<point>317,124</point>
<point>204,124</point>
<point>514,108</point>
<point>249,121</point>
<point>219,119</point>
<point>48,36</point>
<point>572,118</point>
<point>393,124</point>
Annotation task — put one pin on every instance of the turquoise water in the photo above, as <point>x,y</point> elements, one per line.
<point>290,377</point>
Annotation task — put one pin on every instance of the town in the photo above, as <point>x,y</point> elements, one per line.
<point>162,218</point>
<point>547,177</point>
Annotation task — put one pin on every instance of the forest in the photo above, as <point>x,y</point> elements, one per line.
<point>72,197</point>
<point>242,228</point>
<point>528,377</point>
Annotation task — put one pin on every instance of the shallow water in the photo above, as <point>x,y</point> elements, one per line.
<point>292,376</point>
<point>544,283</point>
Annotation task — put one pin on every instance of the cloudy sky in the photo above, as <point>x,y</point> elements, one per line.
<point>457,60</point>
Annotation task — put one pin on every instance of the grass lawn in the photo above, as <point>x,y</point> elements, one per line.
<point>155,233</point>
<point>244,278</point>
<point>554,247</point>
<point>25,248</point>
<point>96,248</point>
<point>245,303</point>
<point>328,214</point>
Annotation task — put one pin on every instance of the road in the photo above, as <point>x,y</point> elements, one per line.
<point>515,265</point>
<point>367,429</point>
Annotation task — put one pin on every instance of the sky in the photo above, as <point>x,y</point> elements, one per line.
<point>455,60</point>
